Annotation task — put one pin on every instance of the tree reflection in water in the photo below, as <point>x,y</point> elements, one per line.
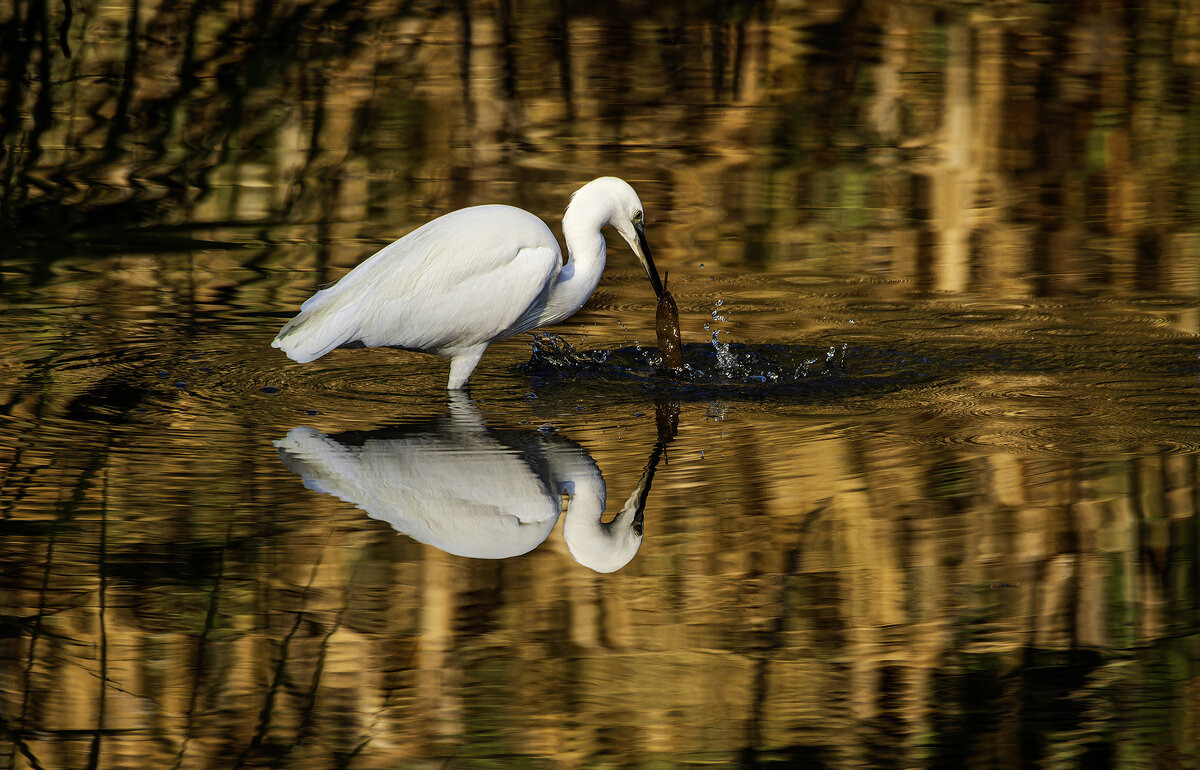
<point>961,149</point>
<point>997,569</point>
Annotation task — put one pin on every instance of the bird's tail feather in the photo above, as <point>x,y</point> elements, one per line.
<point>319,459</point>
<point>313,333</point>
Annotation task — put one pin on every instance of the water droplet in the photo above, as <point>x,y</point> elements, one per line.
<point>725,358</point>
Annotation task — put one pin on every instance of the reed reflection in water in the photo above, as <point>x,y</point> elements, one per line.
<point>799,594</point>
<point>1039,152</point>
<point>989,560</point>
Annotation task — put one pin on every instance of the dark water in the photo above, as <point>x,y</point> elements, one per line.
<point>924,495</point>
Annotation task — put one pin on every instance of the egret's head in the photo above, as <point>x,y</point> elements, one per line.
<point>625,214</point>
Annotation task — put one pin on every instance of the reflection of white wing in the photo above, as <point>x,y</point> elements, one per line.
<point>472,491</point>
<point>478,502</point>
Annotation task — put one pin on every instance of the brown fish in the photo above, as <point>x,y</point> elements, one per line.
<point>670,346</point>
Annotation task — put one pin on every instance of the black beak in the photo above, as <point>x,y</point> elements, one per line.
<point>648,263</point>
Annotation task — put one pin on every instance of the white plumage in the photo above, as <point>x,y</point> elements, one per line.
<point>472,491</point>
<point>471,277</point>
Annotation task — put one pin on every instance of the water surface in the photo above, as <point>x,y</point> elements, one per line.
<point>925,494</point>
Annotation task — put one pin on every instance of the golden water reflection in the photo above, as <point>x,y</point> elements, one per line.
<point>1024,149</point>
<point>993,562</point>
<point>803,590</point>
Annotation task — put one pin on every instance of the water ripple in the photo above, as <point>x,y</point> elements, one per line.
<point>723,370</point>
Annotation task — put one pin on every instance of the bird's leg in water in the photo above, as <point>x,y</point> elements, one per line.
<point>462,363</point>
<point>670,346</point>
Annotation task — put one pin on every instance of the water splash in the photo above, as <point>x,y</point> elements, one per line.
<point>726,360</point>
<point>551,350</point>
<point>723,369</point>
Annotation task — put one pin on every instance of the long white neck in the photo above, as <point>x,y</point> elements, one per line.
<point>586,256</point>
<point>594,544</point>
<point>598,546</point>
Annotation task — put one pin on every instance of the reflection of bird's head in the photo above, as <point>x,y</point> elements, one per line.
<point>607,547</point>
<point>611,201</point>
<point>604,547</point>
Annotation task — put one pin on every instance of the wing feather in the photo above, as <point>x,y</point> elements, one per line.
<point>467,277</point>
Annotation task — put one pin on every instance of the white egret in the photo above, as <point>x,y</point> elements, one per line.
<point>472,491</point>
<point>458,283</point>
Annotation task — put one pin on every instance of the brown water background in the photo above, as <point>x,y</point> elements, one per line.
<point>972,542</point>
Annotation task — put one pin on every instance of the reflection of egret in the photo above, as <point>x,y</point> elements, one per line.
<point>473,491</point>
<point>471,277</point>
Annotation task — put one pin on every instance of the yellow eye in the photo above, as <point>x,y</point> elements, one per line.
<point>637,218</point>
